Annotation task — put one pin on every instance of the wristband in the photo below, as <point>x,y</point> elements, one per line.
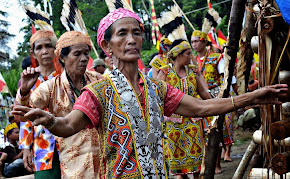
<point>52,124</point>
<point>233,103</point>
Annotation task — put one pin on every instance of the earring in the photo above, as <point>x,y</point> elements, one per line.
<point>110,54</point>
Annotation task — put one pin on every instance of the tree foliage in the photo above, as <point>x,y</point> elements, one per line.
<point>94,10</point>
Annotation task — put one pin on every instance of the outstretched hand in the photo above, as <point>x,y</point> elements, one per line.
<point>29,77</point>
<point>37,116</point>
<point>274,94</point>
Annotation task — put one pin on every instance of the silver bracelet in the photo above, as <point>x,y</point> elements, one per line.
<point>53,123</point>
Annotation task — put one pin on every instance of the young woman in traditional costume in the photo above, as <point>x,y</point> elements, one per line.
<point>58,95</point>
<point>185,135</point>
<point>128,108</point>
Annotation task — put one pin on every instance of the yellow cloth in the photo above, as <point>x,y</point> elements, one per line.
<point>165,41</point>
<point>177,49</point>
<point>200,34</point>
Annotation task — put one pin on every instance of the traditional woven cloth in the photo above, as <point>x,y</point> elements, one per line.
<point>124,118</point>
<point>71,38</point>
<point>112,17</point>
<point>177,49</point>
<point>209,68</point>
<point>185,141</point>
<point>200,34</point>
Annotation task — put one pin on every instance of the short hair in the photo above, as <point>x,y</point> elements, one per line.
<point>103,55</point>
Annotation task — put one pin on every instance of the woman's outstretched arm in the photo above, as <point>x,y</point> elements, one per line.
<point>59,126</point>
<point>192,107</point>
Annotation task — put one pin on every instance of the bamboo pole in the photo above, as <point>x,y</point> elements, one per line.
<point>239,173</point>
<point>262,173</point>
<point>257,138</point>
<point>280,58</point>
<point>184,15</point>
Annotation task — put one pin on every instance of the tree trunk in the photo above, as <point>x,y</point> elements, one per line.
<point>215,136</point>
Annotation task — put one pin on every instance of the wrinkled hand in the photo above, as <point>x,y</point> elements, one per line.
<point>36,115</point>
<point>27,159</point>
<point>273,94</point>
<point>28,79</point>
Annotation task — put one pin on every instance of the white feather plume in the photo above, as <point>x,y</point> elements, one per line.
<point>40,18</point>
<point>178,31</point>
<point>115,4</point>
<point>71,17</point>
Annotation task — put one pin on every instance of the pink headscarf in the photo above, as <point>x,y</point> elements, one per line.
<point>112,17</point>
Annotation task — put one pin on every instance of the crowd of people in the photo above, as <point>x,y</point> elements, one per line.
<point>116,121</point>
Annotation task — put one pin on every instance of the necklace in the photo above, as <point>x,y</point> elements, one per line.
<point>74,89</point>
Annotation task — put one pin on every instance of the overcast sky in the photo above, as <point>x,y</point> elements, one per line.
<point>15,16</point>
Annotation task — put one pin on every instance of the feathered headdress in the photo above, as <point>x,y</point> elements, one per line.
<point>72,20</point>
<point>171,22</point>
<point>116,4</point>
<point>211,20</point>
<point>41,19</point>
<point>71,17</point>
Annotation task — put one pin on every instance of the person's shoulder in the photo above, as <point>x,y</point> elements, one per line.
<point>93,75</point>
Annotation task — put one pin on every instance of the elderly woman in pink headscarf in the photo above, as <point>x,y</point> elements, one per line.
<point>128,108</point>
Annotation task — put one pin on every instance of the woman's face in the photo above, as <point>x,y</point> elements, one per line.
<point>197,44</point>
<point>126,40</point>
<point>184,59</point>
<point>77,59</point>
<point>43,52</point>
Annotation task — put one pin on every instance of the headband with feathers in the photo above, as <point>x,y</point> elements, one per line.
<point>171,22</point>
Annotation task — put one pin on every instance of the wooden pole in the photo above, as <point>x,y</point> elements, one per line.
<point>184,15</point>
<point>245,160</point>
<point>246,53</point>
<point>235,27</point>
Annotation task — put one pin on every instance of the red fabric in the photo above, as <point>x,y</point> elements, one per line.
<point>90,64</point>
<point>141,66</point>
<point>2,84</point>
<point>221,35</point>
<point>33,30</point>
<point>88,103</point>
<point>209,35</point>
